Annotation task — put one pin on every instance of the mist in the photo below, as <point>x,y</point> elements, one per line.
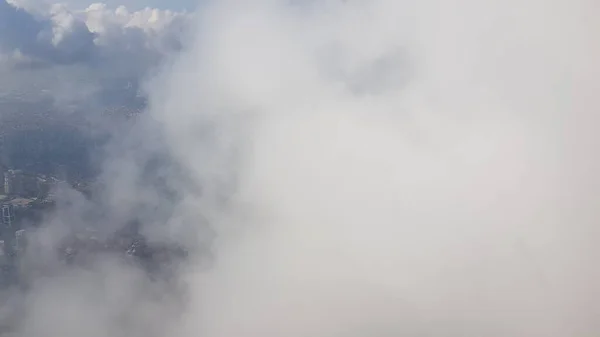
<point>380,168</point>
<point>402,167</point>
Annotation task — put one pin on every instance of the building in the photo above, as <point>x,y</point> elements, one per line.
<point>6,183</point>
<point>3,153</point>
<point>3,254</point>
<point>8,215</point>
<point>20,241</point>
<point>18,183</point>
<point>12,182</point>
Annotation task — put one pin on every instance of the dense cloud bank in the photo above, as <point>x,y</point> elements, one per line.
<point>380,168</point>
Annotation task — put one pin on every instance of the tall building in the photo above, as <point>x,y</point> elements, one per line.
<point>8,215</point>
<point>3,153</point>
<point>20,241</point>
<point>6,182</point>
<point>5,261</point>
<point>18,183</point>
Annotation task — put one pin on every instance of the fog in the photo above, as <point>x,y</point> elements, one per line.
<point>367,168</point>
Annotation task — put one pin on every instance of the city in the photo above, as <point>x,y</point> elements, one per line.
<point>24,198</point>
<point>27,198</point>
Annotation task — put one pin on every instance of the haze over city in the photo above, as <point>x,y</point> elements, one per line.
<point>318,168</point>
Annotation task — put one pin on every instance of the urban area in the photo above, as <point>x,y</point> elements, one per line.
<point>24,197</point>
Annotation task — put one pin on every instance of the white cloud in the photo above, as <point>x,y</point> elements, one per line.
<point>452,199</point>
<point>380,167</point>
<point>111,43</point>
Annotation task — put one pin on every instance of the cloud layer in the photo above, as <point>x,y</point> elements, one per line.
<point>381,168</point>
<point>401,168</point>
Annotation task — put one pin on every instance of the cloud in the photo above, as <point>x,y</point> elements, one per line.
<point>369,168</point>
<point>60,38</point>
<point>113,49</point>
<point>448,199</point>
<point>62,35</point>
